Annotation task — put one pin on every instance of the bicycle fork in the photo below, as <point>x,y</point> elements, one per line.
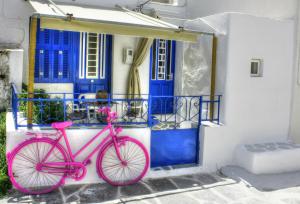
<point>117,148</point>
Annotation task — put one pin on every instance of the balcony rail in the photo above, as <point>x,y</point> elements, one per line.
<point>158,112</point>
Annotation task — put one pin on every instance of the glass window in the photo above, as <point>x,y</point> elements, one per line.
<point>92,56</point>
<point>162,51</point>
<point>161,60</point>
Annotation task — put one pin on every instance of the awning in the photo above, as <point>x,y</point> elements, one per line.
<point>100,20</point>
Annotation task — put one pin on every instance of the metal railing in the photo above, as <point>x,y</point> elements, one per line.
<point>158,112</point>
<point>173,112</point>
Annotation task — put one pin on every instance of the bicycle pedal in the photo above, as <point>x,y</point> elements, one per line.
<point>88,162</point>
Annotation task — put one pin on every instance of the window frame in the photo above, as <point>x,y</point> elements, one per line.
<point>88,54</point>
<point>169,66</point>
<point>101,54</point>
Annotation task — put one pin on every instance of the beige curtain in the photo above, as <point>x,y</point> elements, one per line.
<point>134,84</point>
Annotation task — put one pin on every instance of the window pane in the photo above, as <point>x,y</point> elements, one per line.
<point>161,59</point>
<point>92,55</point>
<point>92,63</point>
<point>92,45</point>
<point>92,69</point>
<point>92,51</point>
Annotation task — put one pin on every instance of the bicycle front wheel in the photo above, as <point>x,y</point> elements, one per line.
<point>133,168</point>
<point>23,166</point>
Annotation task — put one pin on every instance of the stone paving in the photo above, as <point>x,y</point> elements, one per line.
<point>191,189</point>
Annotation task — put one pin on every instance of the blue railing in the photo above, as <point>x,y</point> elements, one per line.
<point>158,112</point>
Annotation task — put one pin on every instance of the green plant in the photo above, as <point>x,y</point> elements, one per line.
<point>44,112</point>
<point>4,179</point>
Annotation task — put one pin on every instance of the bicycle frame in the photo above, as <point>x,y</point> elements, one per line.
<point>112,135</point>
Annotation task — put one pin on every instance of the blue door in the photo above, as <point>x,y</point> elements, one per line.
<point>162,69</point>
<point>94,63</point>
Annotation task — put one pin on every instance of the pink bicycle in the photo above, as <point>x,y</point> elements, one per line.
<point>41,164</point>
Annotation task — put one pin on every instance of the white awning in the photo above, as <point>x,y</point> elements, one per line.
<point>94,19</point>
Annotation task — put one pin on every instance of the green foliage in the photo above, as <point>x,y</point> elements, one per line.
<point>44,112</point>
<point>4,180</point>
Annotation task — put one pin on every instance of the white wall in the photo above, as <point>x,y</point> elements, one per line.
<point>255,109</point>
<point>57,88</point>
<point>15,59</point>
<point>120,70</point>
<point>295,113</point>
<point>266,8</point>
<point>14,21</point>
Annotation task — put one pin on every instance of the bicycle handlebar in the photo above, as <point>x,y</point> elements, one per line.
<point>110,115</point>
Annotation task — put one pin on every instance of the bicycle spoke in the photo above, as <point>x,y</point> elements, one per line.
<point>136,163</point>
<point>24,167</point>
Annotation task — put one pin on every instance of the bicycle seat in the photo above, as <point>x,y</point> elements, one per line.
<point>61,125</point>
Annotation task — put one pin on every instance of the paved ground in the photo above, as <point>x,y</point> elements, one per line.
<point>192,189</point>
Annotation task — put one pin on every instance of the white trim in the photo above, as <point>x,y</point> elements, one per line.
<point>170,66</point>
<point>97,57</point>
<point>161,58</point>
<point>103,57</point>
<point>154,58</point>
<point>101,54</point>
<point>82,56</point>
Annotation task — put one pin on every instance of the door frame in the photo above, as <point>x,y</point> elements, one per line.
<point>173,68</point>
<point>108,66</point>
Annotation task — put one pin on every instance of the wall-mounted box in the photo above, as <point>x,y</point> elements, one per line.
<point>127,55</point>
<point>256,69</point>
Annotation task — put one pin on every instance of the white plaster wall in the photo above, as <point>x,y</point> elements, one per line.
<point>255,109</point>
<point>56,88</point>
<point>14,21</point>
<point>16,65</point>
<point>120,70</point>
<point>283,9</point>
<point>295,113</point>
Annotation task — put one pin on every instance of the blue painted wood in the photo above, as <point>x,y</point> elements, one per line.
<point>54,56</point>
<point>174,147</point>
<point>162,87</point>
<point>84,85</point>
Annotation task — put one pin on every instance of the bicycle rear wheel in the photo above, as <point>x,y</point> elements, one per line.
<point>23,166</point>
<point>134,167</point>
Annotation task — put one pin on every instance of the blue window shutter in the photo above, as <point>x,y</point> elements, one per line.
<point>65,71</point>
<point>46,36</point>
<point>66,37</point>
<point>46,64</point>
<point>55,64</point>
<point>37,65</point>
<point>56,36</point>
